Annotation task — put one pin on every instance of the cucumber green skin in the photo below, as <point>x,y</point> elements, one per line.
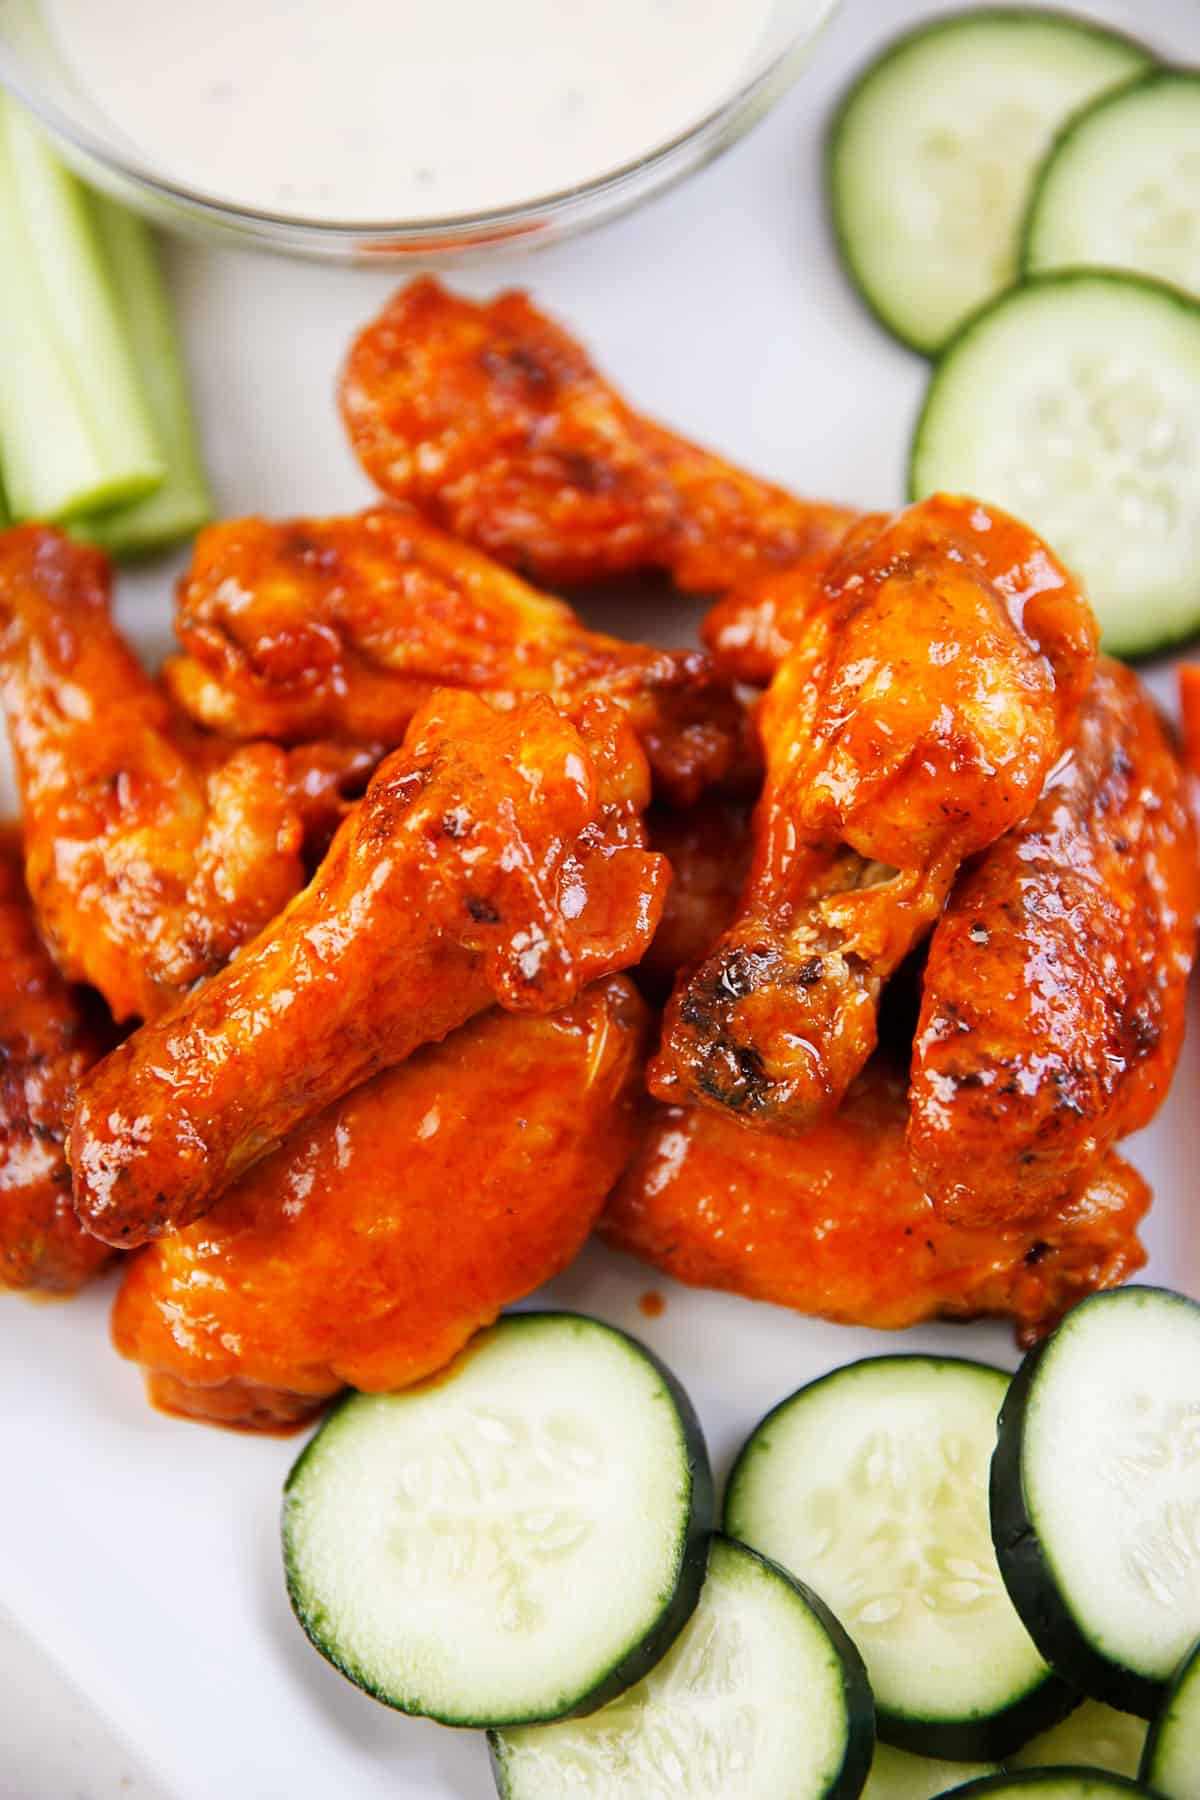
<point>499,1772</point>
<point>976,1740</point>
<point>1026,1568</point>
<point>641,1656</point>
<point>982,1740</point>
<point>1094,1781</point>
<point>1149,78</point>
<point>851,1778</point>
<point>1187,1676</point>
<point>1150,645</point>
<point>896,47</point>
<point>856,1692</point>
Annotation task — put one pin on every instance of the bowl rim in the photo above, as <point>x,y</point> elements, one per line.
<point>780,69</point>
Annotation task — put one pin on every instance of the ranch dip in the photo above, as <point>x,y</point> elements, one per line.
<point>393,110</point>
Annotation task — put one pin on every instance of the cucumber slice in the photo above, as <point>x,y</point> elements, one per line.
<point>762,1697</point>
<point>1171,1763</point>
<point>1094,1737</point>
<point>1121,188</point>
<point>1096,1493</point>
<point>1073,402</point>
<point>932,153</point>
<point>895,1775</point>
<point>520,1539</point>
<point>1049,1784</point>
<point>871,1486</point>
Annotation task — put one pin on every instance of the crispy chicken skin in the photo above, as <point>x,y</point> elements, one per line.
<point>1056,984</point>
<point>47,1042</point>
<point>833,1222</point>
<point>492,420</point>
<point>146,870</point>
<point>324,780</point>
<point>495,856</point>
<point>750,630</point>
<point>369,1246</point>
<point>341,628</point>
<point>932,690</point>
<point>708,848</point>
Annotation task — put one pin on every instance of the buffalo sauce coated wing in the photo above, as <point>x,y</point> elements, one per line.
<point>342,628</point>
<point>46,1044</point>
<point>752,629</point>
<point>321,780</point>
<point>324,780</point>
<point>833,1222</point>
<point>493,421</point>
<point>708,848</point>
<point>369,1246</point>
<point>146,870</point>
<point>933,687</point>
<point>494,856</point>
<point>1056,983</point>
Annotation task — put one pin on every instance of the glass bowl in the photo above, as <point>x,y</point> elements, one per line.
<point>31,67</point>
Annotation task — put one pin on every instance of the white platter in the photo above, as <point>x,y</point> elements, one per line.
<point>141,1553</point>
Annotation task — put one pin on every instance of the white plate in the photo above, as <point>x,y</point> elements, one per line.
<point>142,1552</point>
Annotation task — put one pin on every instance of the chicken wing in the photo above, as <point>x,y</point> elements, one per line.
<point>493,421</point>
<point>369,1246</point>
<point>342,628</point>
<point>146,871</point>
<point>708,848</point>
<point>1056,984</point>
<point>753,628</point>
<point>933,688</point>
<point>47,1041</point>
<point>324,779</point>
<point>494,856</point>
<point>834,1223</point>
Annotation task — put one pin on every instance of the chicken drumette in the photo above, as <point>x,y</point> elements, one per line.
<point>492,420</point>
<point>934,684</point>
<point>495,856</point>
<point>342,628</point>
<point>1056,982</point>
<point>384,1232</point>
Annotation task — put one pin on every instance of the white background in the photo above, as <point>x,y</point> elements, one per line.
<point>141,1553</point>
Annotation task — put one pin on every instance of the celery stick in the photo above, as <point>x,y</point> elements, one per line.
<point>74,432</point>
<point>183,502</point>
<point>49,456</point>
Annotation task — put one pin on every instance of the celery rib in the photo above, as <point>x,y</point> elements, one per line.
<point>182,503</point>
<point>74,428</point>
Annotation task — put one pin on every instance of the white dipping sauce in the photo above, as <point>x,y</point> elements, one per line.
<point>389,110</point>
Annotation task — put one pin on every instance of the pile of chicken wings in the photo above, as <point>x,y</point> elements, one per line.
<point>404,930</point>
